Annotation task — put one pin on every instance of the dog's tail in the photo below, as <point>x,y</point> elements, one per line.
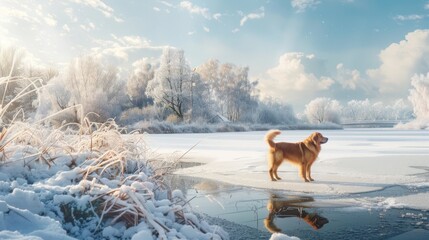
<point>270,136</point>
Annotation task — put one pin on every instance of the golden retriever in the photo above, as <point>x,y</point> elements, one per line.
<point>303,154</point>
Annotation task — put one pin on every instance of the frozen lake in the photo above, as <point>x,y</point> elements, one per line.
<point>378,176</point>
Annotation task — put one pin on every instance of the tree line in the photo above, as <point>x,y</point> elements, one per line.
<point>163,89</point>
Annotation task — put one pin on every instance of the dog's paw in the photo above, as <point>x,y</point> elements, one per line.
<point>306,180</point>
<point>273,180</point>
<point>279,178</point>
<point>311,179</point>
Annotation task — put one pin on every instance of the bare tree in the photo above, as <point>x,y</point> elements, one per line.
<point>230,89</point>
<point>90,86</point>
<point>323,110</point>
<point>171,85</point>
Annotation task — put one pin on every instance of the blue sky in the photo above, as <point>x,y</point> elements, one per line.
<point>296,49</point>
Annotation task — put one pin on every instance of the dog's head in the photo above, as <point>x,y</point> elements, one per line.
<point>318,138</point>
<point>315,220</point>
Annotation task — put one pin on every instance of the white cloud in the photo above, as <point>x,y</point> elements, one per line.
<point>120,47</point>
<point>347,78</point>
<point>156,9</point>
<point>400,61</point>
<point>50,20</point>
<point>412,17</point>
<point>217,16</point>
<point>167,4</point>
<point>427,6</point>
<point>291,81</point>
<point>70,13</point>
<point>32,14</point>
<point>100,6</point>
<point>85,27</point>
<point>66,28</point>
<point>193,9</point>
<point>191,33</point>
<point>90,26</point>
<point>15,13</point>
<point>302,5</point>
<point>235,30</point>
<point>206,29</point>
<point>252,16</point>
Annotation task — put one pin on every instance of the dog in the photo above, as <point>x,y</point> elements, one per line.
<point>291,207</point>
<point>303,154</point>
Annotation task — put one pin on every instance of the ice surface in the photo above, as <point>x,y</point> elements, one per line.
<point>353,161</point>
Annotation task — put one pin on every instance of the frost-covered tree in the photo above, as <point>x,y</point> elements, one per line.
<point>401,110</point>
<point>200,103</point>
<point>272,112</point>
<point>171,86</point>
<point>87,86</point>
<point>419,98</point>
<point>364,110</point>
<point>230,89</point>
<point>323,110</point>
<point>356,110</point>
<point>143,72</point>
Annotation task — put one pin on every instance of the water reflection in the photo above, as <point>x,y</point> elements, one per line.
<point>284,207</point>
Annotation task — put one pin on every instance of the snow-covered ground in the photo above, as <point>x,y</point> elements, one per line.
<point>89,183</point>
<point>353,161</point>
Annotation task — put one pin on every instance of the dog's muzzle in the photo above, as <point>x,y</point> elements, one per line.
<point>324,140</point>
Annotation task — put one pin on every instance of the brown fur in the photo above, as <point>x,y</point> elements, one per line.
<point>302,154</point>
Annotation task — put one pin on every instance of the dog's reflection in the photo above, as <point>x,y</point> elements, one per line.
<point>291,207</point>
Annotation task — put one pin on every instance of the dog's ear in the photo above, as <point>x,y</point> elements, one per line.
<point>315,137</point>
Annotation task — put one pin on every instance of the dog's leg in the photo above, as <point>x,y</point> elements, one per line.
<point>303,171</point>
<point>309,172</point>
<point>275,172</point>
<point>272,174</point>
<point>303,168</point>
<point>271,164</point>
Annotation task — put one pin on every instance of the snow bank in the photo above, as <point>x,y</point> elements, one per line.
<point>18,223</point>
<point>416,124</point>
<point>24,199</point>
<point>89,183</point>
<point>281,236</point>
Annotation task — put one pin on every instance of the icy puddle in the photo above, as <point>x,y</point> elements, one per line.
<point>355,216</point>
